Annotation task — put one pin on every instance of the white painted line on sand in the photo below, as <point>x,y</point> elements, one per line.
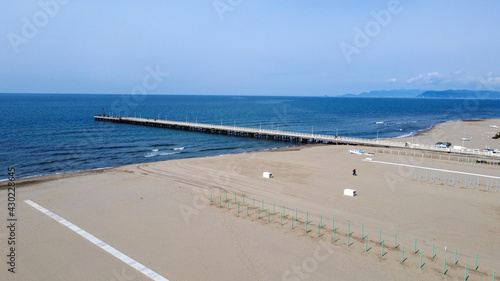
<point>434,169</point>
<point>121,256</point>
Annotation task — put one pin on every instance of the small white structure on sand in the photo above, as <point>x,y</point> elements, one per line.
<point>267,175</point>
<point>349,192</point>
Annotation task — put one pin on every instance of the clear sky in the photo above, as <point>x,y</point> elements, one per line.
<point>248,47</point>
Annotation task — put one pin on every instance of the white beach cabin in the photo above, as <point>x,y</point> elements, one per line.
<point>267,175</point>
<point>349,192</point>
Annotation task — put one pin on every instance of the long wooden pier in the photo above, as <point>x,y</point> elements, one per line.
<point>280,135</point>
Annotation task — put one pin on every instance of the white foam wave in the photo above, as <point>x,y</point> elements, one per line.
<point>178,148</point>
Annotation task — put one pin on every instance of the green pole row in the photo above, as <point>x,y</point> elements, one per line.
<point>444,266</point>
<point>403,255</point>
<point>493,275</point>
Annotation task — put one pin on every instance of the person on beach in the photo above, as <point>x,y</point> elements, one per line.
<point>354,172</point>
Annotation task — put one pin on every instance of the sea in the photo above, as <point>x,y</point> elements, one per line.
<point>43,134</point>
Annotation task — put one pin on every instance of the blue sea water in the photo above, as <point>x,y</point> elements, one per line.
<point>56,133</point>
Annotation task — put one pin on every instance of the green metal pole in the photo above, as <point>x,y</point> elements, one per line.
<point>475,268</point>
<point>258,213</point>
<point>348,232</point>
<point>403,255</point>
<point>395,240</point>
<point>493,276</point>
<point>444,266</point>
<point>220,200</point>
<point>243,199</point>
<point>432,250</point>
<point>247,209</point>
<point>306,227</point>
<point>268,216</point>
<point>465,277</point>
<point>420,259</point>
<point>274,205</point>
<point>382,253</point>
<point>283,209</point>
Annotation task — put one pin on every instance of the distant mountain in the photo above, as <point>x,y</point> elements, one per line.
<point>460,94</point>
<point>387,94</point>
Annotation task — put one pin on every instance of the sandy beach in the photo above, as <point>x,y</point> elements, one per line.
<point>173,217</point>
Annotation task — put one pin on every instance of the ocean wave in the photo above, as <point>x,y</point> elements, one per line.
<point>218,148</point>
<point>158,153</point>
<point>178,148</point>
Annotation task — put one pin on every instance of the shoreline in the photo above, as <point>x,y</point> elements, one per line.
<point>49,177</point>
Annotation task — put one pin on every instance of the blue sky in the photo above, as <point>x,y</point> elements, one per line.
<point>244,47</point>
